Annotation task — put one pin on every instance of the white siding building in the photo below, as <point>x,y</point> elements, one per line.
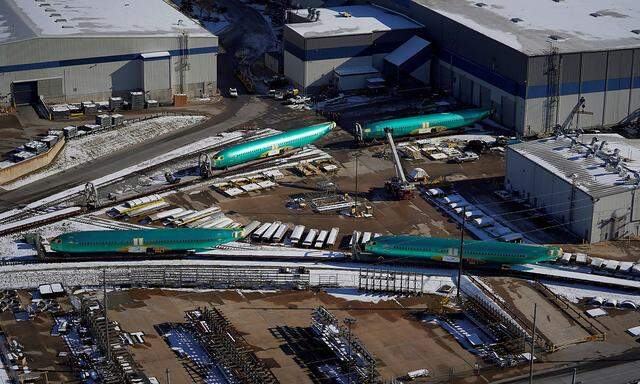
<point>588,183</point>
<point>349,38</point>
<point>80,50</point>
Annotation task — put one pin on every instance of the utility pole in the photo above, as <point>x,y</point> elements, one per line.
<point>166,371</point>
<point>573,378</point>
<point>355,211</point>
<point>349,321</point>
<point>106,318</point>
<point>533,342</point>
<point>462,228</point>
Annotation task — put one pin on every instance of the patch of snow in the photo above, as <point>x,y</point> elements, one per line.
<point>507,38</point>
<point>577,292</point>
<point>12,246</point>
<point>92,147</point>
<point>352,294</point>
<point>37,218</point>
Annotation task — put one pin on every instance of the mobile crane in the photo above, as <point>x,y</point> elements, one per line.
<point>398,186</point>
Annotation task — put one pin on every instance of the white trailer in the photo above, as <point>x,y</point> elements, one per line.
<point>308,241</point>
<point>280,232</point>
<point>322,237</point>
<point>268,234</point>
<point>333,236</point>
<point>260,231</point>
<point>164,214</point>
<point>296,235</point>
<point>365,238</point>
<point>252,226</point>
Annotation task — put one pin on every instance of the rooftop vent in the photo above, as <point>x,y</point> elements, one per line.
<point>516,19</point>
<point>636,31</point>
<point>61,20</point>
<point>67,26</point>
<point>596,14</point>
<point>481,5</point>
<point>55,15</point>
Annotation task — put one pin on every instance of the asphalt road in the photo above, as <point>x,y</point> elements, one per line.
<point>625,373</point>
<point>238,112</point>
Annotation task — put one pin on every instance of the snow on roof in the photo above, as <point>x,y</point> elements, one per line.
<point>527,26</point>
<point>410,48</point>
<point>571,160</point>
<point>363,19</point>
<point>23,19</point>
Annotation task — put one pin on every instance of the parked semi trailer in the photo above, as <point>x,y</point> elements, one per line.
<point>448,250</point>
<point>419,125</point>
<point>270,146</point>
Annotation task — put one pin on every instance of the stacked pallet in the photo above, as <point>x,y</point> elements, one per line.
<point>103,120</point>
<point>115,103</point>
<point>89,108</point>
<point>136,101</point>
<point>60,112</point>
<point>117,119</point>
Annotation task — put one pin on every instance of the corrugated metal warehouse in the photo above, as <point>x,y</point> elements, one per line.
<point>499,53</point>
<point>80,50</point>
<point>337,43</point>
<point>588,183</point>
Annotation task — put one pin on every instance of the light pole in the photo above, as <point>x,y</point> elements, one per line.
<point>462,228</point>
<point>533,342</point>
<point>355,210</point>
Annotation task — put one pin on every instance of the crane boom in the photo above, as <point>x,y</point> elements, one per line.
<point>396,158</point>
<point>577,109</point>
<point>398,186</point>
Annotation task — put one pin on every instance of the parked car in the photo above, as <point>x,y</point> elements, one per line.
<point>233,92</point>
<point>466,157</point>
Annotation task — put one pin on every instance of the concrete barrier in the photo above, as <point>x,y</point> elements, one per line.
<point>33,164</point>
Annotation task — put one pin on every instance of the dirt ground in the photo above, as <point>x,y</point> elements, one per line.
<point>556,326</point>
<point>40,348</point>
<point>623,250</point>
<point>520,295</point>
<point>389,216</point>
<point>388,329</point>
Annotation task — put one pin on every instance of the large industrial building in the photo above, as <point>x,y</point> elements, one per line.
<point>345,46</point>
<point>80,50</point>
<point>588,183</point>
<point>530,60</point>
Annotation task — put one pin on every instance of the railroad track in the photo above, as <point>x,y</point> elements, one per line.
<point>233,171</point>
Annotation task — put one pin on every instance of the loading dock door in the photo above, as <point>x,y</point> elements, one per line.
<point>25,92</point>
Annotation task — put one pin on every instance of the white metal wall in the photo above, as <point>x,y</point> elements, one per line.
<point>101,80</point>
<point>544,189</point>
